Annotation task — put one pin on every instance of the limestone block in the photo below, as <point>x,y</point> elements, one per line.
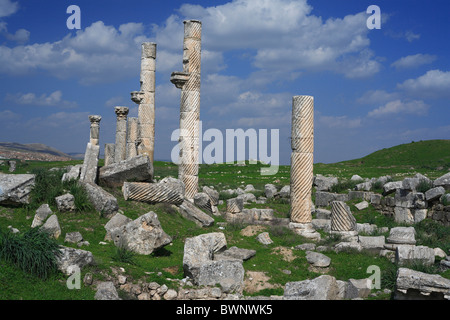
<point>188,210</point>
<point>41,214</point>
<point>324,287</point>
<point>65,202</point>
<point>415,285</point>
<point>90,164</point>
<point>136,169</point>
<point>104,202</point>
<point>143,235</point>
<point>117,221</point>
<point>406,254</point>
<point>15,188</point>
<point>434,193</point>
<point>402,235</point>
<point>324,183</point>
<point>51,226</point>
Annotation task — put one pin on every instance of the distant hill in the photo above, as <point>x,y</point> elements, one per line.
<point>31,151</point>
<point>429,153</point>
<point>430,157</point>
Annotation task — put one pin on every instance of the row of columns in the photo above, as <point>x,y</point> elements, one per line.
<point>136,136</point>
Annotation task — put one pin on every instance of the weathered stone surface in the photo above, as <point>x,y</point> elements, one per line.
<point>356,177</point>
<point>202,201</point>
<point>392,186</point>
<point>342,218</point>
<point>73,173</point>
<point>443,181</point>
<point>305,230</point>
<point>406,254</point>
<point>445,264</point>
<point>188,210</point>
<point>372,243</point>
<point>73,237</point>
<point>264,238</point>
<point>345,246</point>
<point>247,197</point>
<point>402,235</point>
<point>15,188</point>
<point>51,226</point>
<point>321,224</point>
<point>362,205</point>
<point>415,285</point>
<point>402,214</point>
<point>212,194</point>
<point>70,257</point>
<point>323,213</point>
<point>104,202</point>
<point>42,213</point>
<point>324,287</point>
<point>235,253</point>
<point>270,190</point>
<point>229,274</point>
<point>136,169</point>
<point>285,192</point>
<point>364,186</point>
<point>434,193</point>
<point>201,249</point>
<point>324,199</point>
<point>306,247</point>
<point>106,291</point>
<point>358,288</point>
<point>117,221</point>
<point>90,165</point>
<point>65,202</point>
<point>317,259</point>
<point>235,205</point>
<point>375,199</point>
<point>323,183</point>
<point>143,235</point>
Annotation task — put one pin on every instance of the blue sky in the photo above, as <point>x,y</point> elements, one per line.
<point>372,88</point>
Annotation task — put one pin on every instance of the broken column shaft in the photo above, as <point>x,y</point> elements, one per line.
<point>90,163</point>
<point>145,98</point>
<point>94,129</point>
<point>189,83</point>
<point>132,137</point>
<point>302,144</point>
<point>120,150</point>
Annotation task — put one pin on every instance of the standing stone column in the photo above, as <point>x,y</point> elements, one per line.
<point>95,129</point>
<point>120,150</point>
<point>302,158</point>
<point>189,82</point>
<point>132,137</point>
<point>90,163</point>
<point>145,98</point>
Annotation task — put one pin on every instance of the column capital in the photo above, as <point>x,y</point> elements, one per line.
<point>121,112</point>
<point>95,119</point>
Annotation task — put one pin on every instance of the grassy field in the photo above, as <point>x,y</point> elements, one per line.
<point>279,261</point>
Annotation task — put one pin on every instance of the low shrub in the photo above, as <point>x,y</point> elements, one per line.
<point>34,252</point>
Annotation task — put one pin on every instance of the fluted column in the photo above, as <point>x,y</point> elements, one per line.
<point>302,144</point>
<point>189,82</point>
<point>120,150</point>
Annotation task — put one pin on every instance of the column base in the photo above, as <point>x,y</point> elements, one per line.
<point>305,230</point>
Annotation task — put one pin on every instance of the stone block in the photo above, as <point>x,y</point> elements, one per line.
<point>137,169</point>
<point>104,202</point>
<point>15,188</point>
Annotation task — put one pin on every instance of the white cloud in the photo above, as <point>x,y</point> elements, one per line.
<point>7,8</point>
<point>415,107</point>
<point>413,61</point>
<point>52,100</point>
<point>96,54</point>
<point>282,35</point>
<point>337,121</point>
<point>377,96</point>
<point>433,84</point>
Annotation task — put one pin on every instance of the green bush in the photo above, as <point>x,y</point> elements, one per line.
<point>48,185</point>
<point>123,254</point>
<point>343,186</point>
<point>34,252</point>
<point>424,186</point>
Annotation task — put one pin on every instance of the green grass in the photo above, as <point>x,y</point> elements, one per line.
<point>166,263</point>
